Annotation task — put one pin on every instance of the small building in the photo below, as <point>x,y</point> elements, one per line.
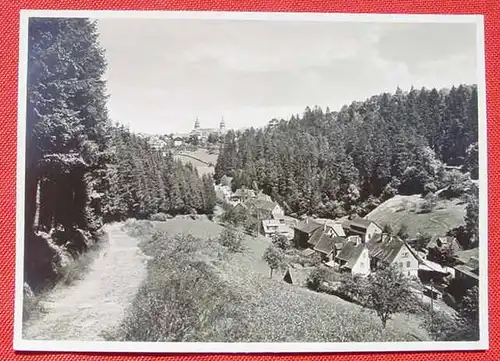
<point>178,141</point>
<point>354,258</point>
<point>388,250</point>
<point>297,276</point>
<point>242,195</point>
<point>265,209</point>
<point>439,245</point>
<point>335,228</point>
<point>362,227</point>
<point>271,227</point>
<point>289,221</point>
<point>324,244</point>
<point>223,192</point>
<point>303,231</point>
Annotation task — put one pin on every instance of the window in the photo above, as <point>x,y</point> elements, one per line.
<point>408,264</point>
<point>400,264</point>
<point>405,254</point>
<point>409,273</point>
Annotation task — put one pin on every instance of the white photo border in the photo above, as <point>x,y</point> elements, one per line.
<point>21,344</point>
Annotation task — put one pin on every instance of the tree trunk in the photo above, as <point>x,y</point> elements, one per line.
<point>271,273</point>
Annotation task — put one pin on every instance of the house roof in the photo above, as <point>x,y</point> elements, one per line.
<point>347,251</point>
<point>322,242</point>
<point>387,248</point>
<point>465,256</point>
<point>356,253</point>
<point>467,270</point>
<point>337,226</point>
<point>280,227</point>
<point>308,226</point>
<point>262,204</point>
<point>350,253</point>
<point>297,276</point>
<point>285,218</point>
<point>244,192</point>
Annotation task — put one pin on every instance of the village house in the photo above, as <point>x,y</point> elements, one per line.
<point>241,195</point>
<point>353,258</point>
<point>466,270</point>
<point>362,227</point>
<point>283,219</point>
<point>439,245</point>
<point>264,209</point>
<point>271,227</point>
<point>178,141</point>
<point>223,192</point>
<point>304,229</point>
<point>386,250</point>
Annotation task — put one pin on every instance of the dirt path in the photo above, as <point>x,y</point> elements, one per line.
<point>97,302</point>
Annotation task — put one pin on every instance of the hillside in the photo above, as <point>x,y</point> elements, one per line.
<point>200,159</point>
<point>400,210</point>
<point>271,310</point>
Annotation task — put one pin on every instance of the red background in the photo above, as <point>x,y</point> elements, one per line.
<point>8,112</point>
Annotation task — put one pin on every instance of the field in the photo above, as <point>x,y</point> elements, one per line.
<point>274,311</point>
<point>200,159</point>
<point>400,210</point>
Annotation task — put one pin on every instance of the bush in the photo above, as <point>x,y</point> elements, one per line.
<point>162,217</point>
<point>232,240</point>
<point>316,278</point>
<point>282,242</point>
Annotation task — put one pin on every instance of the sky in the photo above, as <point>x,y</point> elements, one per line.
<point>163,73</point>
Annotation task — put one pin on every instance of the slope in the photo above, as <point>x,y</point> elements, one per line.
<point>399,210</point>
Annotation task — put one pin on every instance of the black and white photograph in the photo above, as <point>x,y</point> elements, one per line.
<point>251,182</point>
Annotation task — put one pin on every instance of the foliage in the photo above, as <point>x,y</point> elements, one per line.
<point>274,257</point>
<point>67,130</point>
<point>183,298</point>
<point>232,240</point>
<point>282,242</point>
<point>316,278</point>
<point>142,181</point>
<point>386,291</point>
<point>331,163</point>
<point>463,327</point>
<point>403,231</point>
<point>162,217</point>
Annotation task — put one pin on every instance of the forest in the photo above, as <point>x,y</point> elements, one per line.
<point>338,163</point>
<point>81,170</point>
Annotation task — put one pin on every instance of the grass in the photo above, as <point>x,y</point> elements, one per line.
<point>201,154</point>
<point>232,298</point>
<point>399,210</point>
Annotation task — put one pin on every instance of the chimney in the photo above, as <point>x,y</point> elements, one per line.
<point>324,226</point>
<point>307,220</point>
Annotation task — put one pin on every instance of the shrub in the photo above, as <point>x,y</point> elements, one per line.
<point>232,240</point>
<point>162,217</point>
<point>282,242</point>
<point>316,279</point>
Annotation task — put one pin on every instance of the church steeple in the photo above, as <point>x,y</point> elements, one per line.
<point>222,126</point>
<point>197,124</point>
